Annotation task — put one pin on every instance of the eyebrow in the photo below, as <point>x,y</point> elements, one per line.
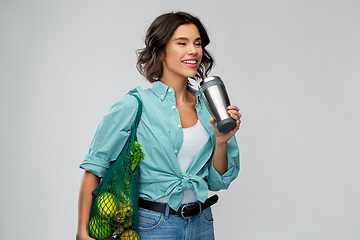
<point>185,38</point>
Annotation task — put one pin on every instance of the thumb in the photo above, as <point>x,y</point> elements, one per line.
<point>212,121</point>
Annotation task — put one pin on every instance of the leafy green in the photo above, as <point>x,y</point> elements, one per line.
<point>136,155</point>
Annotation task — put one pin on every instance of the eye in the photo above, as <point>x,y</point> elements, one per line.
<point>182,43</point>
<point>198,44</point>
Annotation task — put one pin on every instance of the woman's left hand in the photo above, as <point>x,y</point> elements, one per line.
<point>224,137</point>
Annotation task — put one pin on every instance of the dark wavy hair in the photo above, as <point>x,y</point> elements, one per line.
<point>158,35</point>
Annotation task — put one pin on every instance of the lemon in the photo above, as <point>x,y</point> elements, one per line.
<point>128,222</point>
<point>99,228</point>
<point>129,235</point>
<point>106,204</point>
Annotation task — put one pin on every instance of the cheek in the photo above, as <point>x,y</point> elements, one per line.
<point>172,55</point>
<point>200,52</point>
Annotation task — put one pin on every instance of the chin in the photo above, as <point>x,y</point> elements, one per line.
<point>190,75</point>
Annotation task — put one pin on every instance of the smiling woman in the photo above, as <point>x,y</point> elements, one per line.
<point>185,154</point>
<point>183,53</point>
<point>157,38</point>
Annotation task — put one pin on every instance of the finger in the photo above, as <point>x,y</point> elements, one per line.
<point>232,132</point>
<point>213,123</point>
<point>238,115</point>
<point>237,126</point>
<point>233,107</point>
<point>235,114</point>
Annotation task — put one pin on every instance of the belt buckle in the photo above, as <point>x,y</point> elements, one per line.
<point>182,211</point>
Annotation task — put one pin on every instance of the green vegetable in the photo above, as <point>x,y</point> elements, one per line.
<point>136,155</point>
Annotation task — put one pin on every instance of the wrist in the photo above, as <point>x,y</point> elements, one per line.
<point>82,233</point>
<point>82,236</point>
<point>220,144</point>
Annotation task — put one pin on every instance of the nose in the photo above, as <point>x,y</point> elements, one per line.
<point>193,50</point>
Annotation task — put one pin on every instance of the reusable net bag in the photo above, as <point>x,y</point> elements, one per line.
<point>114,210</point>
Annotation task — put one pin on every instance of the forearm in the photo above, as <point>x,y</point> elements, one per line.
<point>220,160</point>
<point>88,184</point>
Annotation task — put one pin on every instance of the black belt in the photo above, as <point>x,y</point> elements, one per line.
<point>186,211</point>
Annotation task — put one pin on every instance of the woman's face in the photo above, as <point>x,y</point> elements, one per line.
<point>183,53</point>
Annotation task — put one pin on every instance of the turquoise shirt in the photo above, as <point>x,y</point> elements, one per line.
<point>161,136</point>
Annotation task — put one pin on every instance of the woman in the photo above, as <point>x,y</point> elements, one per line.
<point>185,154</point>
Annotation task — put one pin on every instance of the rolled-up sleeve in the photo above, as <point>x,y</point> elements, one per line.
<point>215,180</point>
<point>111,136</point>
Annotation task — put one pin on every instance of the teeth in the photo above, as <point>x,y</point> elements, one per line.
<point>190,61</point>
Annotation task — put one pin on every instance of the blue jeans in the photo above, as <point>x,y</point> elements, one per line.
<point>157,226</point>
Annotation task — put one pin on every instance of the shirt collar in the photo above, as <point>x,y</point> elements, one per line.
<point>160,90</point>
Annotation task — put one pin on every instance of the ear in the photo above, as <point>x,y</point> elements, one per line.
<point>162,55</point>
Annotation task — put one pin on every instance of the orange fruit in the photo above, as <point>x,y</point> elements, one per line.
<point>128,222</point>
<point>129,235</point>
<point>120,229</point>
<point>124,211</point>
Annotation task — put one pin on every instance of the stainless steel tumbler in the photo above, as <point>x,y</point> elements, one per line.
<point>216,99</point>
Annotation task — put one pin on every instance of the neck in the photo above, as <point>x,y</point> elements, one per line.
<point>179,84</point>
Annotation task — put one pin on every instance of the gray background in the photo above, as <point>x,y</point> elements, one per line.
<point>293,68</point>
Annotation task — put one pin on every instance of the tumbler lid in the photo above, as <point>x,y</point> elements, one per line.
<point>210,81</point>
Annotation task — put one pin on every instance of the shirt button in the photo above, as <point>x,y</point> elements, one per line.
<point>170,90</point>
<point>162,96</point>
<point>173,107</point>
<point>175,151</point>
<point>179,126</point>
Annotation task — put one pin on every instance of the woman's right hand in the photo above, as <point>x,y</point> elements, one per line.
<point>84,236</point>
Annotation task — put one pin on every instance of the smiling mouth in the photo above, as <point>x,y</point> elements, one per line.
<point>190,61</point>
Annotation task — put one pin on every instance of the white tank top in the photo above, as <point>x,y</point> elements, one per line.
<point>195,138</point>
